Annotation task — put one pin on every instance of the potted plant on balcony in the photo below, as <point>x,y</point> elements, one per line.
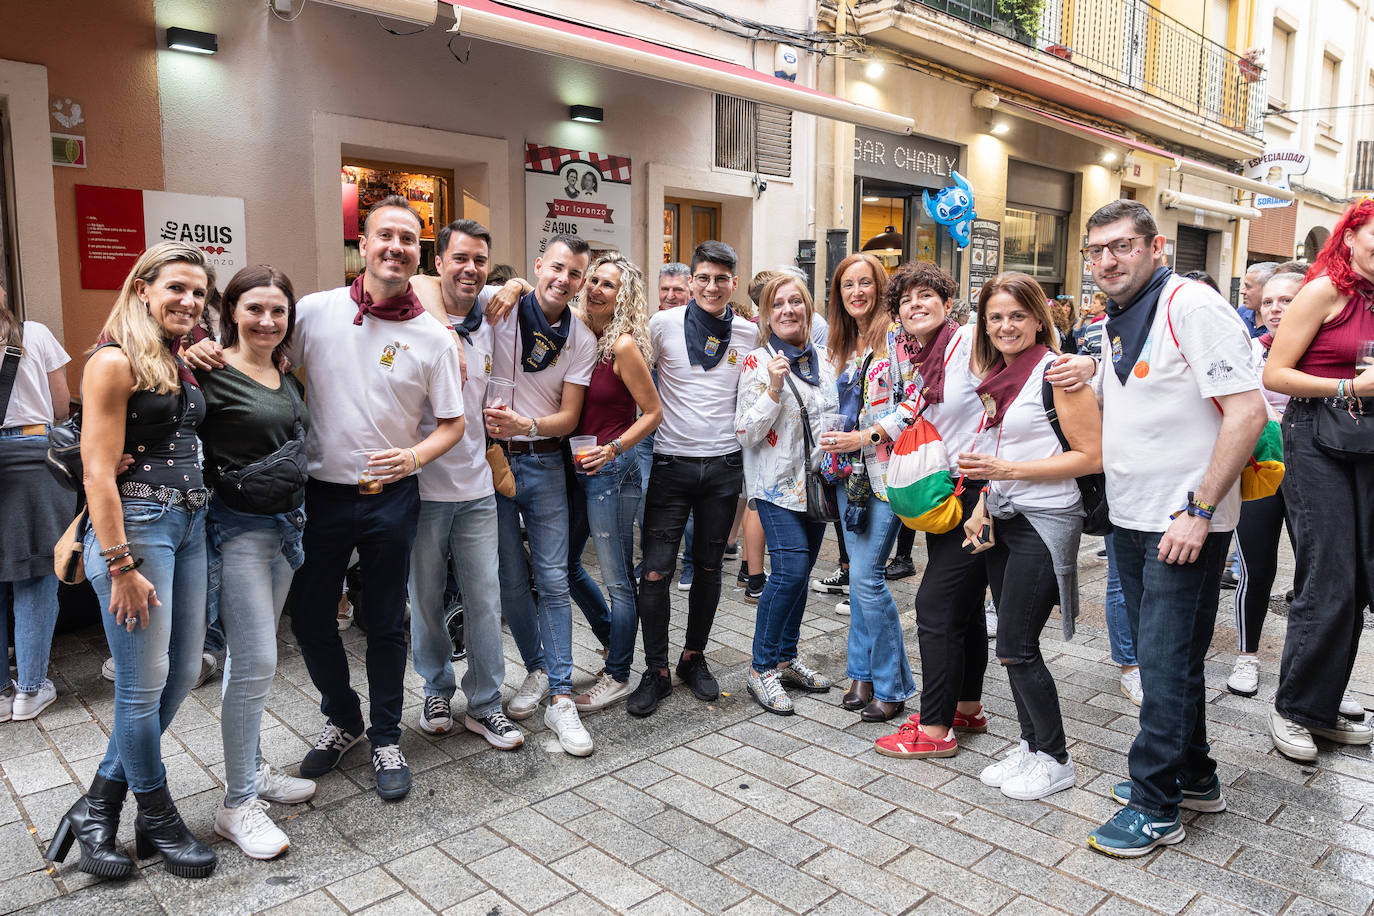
<point>1249,64</point>
<point>1019,19</point>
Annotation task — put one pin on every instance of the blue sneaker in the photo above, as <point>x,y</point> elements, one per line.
<point>684,583</point>
<point>1131,834</point>
<point>1208,798</point>
<point>393,776</point>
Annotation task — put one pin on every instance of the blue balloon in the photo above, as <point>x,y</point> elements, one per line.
<point>952,208</point>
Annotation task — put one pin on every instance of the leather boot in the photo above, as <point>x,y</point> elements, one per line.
<point>159,828</point>
<point>93,822</point>
<point>860,694</point>
<point>881,711</point>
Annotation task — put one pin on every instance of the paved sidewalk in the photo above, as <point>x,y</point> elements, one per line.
<point>713,808</point>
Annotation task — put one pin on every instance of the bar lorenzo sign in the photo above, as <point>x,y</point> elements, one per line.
<point>576,192</point>
<point>115,225</point>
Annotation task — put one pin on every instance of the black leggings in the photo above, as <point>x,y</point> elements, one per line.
<point>906,539</point>
<point>1257,553</point>
<point>839,541</point>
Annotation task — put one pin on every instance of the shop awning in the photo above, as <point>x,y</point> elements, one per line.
<point>521,28</point>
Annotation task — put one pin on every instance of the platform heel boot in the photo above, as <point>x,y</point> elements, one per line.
<point>159,828</point>
<point>93,822</point>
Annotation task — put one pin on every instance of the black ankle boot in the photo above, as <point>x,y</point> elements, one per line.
<point>159,828</point>
<point>93,822</point>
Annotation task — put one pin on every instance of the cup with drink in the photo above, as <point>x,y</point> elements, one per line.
<point>500,394</point>
<point>368,484</point>
<point>1364,356</point>
<point>830,423</point>
<point>583,447</point>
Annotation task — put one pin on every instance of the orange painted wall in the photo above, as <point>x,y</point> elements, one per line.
<point>103,54</point>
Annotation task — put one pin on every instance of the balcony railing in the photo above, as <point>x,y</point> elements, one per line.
<point>1134,44</point>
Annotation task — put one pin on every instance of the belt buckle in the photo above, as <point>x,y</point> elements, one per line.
<point>197,498</point>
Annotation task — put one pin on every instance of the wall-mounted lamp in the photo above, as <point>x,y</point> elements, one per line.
<point>1000,127</point>
<point>1109,157</point>
<point>589,114</point>
<point>873,70</point>
<point>1302,252</point>
<point>192,41</point>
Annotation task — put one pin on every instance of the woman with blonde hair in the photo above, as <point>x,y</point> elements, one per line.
<point>620,409</point>
<point>145,554</point>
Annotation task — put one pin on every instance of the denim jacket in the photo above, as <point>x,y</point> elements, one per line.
<point>223,524</point>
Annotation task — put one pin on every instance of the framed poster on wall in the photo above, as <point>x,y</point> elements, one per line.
<point>575,192</point>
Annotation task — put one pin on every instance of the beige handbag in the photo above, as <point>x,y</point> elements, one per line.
<point>68,560</point>
<point>501,474</point>
<point>978,526</point>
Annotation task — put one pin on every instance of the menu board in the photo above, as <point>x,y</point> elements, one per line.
<point>985,255</point>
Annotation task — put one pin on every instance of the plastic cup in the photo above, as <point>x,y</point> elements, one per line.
<point>582,446</point>
<point>367,484</point>
<point>1364,356</point>
<point>500,393</point>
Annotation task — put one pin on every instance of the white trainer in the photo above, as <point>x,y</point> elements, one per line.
<point>275,786</point>
<point>107,670</point>
<point>1042,776</point>
<point>996,774</point>
<point>1291,739</point>
<point>1244,679</point>
<point>249,828</point>
<point>990,617</point>
<point>7,703</point>
<point>29,705</point>
<point>1351,708</point>
<point>842,608</point>
<point>607,691</point>
<point>1130,686</point>
<point>1343,732</point>
<point>208,666</point>
<point>561,718</point>
<point>531,693</point>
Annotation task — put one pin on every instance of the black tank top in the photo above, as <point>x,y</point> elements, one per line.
<point>166,452</point>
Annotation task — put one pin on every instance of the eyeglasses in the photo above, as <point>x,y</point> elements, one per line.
<point>710,280</point>
<point>1119,248</point>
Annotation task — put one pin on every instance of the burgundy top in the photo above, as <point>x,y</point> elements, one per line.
<point>1331,354</point>
<point>609,408</point>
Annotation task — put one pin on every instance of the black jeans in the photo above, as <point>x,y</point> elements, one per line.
<point>708,489</point>
<point>1021,575</point>
<point>950,627</point>
<point>906,539</point>
<point>1257,550</point>
<point>382,528</point>
<point>1331,508</point>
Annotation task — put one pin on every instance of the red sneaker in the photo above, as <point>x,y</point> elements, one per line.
<point>962,723</point>
<point>910,742</point>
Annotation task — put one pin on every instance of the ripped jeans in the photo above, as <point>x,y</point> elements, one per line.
<point>602,507</point>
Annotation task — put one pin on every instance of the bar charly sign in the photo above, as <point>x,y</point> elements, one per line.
<point>909,160</point>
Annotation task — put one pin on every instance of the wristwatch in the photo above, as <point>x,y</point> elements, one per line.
<point>534,428</point>
<point>875,435</point>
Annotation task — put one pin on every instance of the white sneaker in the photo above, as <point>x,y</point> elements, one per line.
<point>29,705</point>
<point>1042,775</point>
<point>7,703</point>
<point>1351,708</point>
<point>990,616</point>
<point>208,666</point>
<point>842,607</point>
<point>531,693</point>
<point>1244,679</point>
<point>275,786</point>
<point>1130,686</point>
<point>107,670</point>
<point>1343,732</point>
<point>996,774</point>
<point>1291,739</point>
<point>249,827</point>
<point>561,718</point>
<point>607,691</point>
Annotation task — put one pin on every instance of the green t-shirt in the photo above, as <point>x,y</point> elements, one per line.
<point>246,420</point>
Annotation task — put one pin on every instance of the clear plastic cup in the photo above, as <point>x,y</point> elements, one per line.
<point>500,393</point>
<point>582,446</point>
<point>1364,356</point>
<point>367,484</point>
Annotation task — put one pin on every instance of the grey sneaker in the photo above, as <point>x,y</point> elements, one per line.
<point>767,691</point>
<point>800,675</point>
<point>1291,739</point>
<point>1343,732</point>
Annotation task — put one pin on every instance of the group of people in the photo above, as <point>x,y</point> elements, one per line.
<point>446,427</point>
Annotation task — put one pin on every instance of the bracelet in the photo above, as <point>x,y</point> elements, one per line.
<point>1207,507</point>
<point>110,560</point>
<point>414,457</point>
<point>115,549</point>
<point>617,447</point>
<point>116,573</point>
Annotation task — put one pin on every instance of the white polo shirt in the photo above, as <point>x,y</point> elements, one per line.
<point>369,383</point>
<point>698,405</point>
<point>462,474</point>
<point>539,394</point>
<point>31,399</point>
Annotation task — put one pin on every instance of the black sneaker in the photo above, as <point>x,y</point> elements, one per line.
<point>653,687</point>
<point>753,590</point>
<point>393,776</point>
<point>437,716</point>
<point>695,674</point>
<point>499,731</point>
<point>329,749</point>
<point>837,583</point>
<point>742,577</point>
<point>899,568</point>
<point>1229,579</point>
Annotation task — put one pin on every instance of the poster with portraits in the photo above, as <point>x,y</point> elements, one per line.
<point>576,192</point>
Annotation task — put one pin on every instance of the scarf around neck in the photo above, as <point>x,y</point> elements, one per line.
<point>802,360</point>
<point>929,361</point>
<point>470,323</point>
<point>706,335</point>
<point>540,342</point>
<point>1128,326</point>
<point>398,308</point>
<point>1005,382</point>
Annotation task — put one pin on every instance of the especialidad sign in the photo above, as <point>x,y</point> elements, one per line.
<point>115,225</point>
<point>572,192</point>
<point>1274,168</point>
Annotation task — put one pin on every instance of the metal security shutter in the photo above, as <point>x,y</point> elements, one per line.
<point>1364,166</point>
<point>752,137</point>
<point>1190,249</point>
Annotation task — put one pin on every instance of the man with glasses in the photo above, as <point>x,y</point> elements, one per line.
<point>1181,413</point>
<point>698,468</point>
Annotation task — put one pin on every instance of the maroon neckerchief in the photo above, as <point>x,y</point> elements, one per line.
<point>1266,340</point>
<point>930,362</point>
<point>1005,382</point>
<point>398,308</point>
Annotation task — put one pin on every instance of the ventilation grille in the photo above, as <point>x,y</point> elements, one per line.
<point>753,137</point>
<point>1364,165</point>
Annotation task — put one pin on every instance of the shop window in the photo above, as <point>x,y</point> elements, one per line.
<point>1033,242</point>
<point>365,182</point>
<point>686,224</point>
<point>894,227</point>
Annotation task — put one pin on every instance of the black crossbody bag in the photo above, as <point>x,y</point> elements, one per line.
<point>1092,487</point>
<point>263,487</point>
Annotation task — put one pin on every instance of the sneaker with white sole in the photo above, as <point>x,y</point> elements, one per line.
<point>251,830</point>
<point>607,691</point>
<point>1343,732</point>
<point>1042,776</point>
<point>990,618</point>
<point>767,692</point>
<point>393,773</point>
<point>802,676</point>
<point>208,666</point>
<point>1351,708</point>
<point>7,703</point>
<point>837,583</point>
<point>995,774</point>
<point>1130,686</point>
<point>29,705</point>
<point>437,716</point>
<point>1129,834</point>
<point>842,608</point>
<point>562,719</point>
<point>1207,797</point>
<point>275,786</point>
<point>329,749</point>
<point>1291,739</point>
<point>498,731</point>
<point>1244,679</point>
<point>531,693</point>
<point>107,670</point>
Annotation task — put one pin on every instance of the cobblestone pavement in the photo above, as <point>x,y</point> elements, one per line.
<point>713,808</point>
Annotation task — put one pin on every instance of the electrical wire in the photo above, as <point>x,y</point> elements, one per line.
<point>272,8</point>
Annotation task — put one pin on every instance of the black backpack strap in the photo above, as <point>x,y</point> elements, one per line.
<point>1051,413</point>
<point>9,370</point>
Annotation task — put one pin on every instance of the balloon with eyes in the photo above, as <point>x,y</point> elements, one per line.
<point>953,209</point>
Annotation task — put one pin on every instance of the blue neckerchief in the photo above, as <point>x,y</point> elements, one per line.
<point>707,336</point>
<point>540,342</point>
<point>472,322</point>
<point>803,362</point>
<point>1128,326</point>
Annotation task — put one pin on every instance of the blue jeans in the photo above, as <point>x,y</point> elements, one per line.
<point>603,508</point>
<point>154,667</point>
<point>35,615</point>
<point>461,536</point>
<point>1172,610</point>
<point>793,544</point>
<point>1119,631</point>
<point>877,650</point>
<point>543,634</point>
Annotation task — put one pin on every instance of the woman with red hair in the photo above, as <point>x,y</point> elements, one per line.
<point>1316,359</point>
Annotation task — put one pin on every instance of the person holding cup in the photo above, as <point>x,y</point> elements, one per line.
<point>786,381</point>
<point>620,409</point>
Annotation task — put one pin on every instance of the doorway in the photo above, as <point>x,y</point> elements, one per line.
<point>364,182</point>
<point>686,224</point>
